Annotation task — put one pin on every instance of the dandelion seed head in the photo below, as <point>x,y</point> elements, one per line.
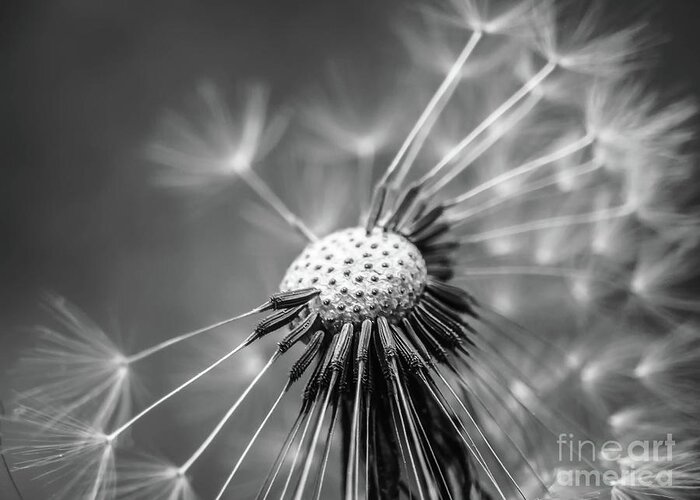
<point>360,276</point>
<point>536,166</point>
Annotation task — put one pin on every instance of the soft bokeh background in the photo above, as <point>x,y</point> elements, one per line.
<point>84,84</point>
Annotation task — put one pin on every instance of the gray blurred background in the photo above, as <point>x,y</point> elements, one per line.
<point>84,83</point>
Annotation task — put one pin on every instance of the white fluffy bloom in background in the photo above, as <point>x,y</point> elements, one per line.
<point>492,295</point>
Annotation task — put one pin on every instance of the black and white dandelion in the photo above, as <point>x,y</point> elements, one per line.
<point>513,282</point>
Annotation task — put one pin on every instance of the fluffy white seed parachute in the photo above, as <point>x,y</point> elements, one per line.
<point>522,159</point>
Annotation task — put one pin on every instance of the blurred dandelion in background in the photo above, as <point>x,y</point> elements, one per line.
<point>471,279</point>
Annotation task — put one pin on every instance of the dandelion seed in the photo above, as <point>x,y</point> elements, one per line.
<point>228,153</point>
<point>62,448</point>
<point>354,126</point>
<point>91,377</point>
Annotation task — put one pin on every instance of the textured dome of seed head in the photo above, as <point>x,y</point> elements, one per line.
<point>360,276</point>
